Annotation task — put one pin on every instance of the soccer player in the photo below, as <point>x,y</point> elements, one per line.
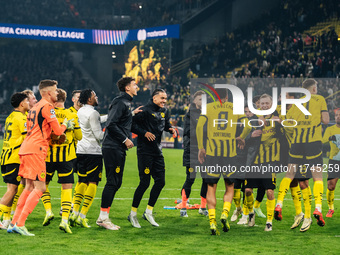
<point>221,150</point>
<point>90,159</point>
<point>149,126</point>
<point>332,135</point>
<point>75,99</point>
<point>32,101</point>
<point>15,132</point>
<point>74,109</point>
<point>41,120</point>
<point>190,155</point>
<point>268,155</point>
<point>306,151</point>
<point>117,140</point>
<point>253,141</point>
<point>59,158</point>
<point>302,181</point>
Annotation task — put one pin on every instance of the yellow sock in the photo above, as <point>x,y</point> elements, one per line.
<point>7,213</point>
<point>66,198</point>
<point>296,195</point>
<point>318,191</point>
<point>133,209</point>
<point>237,197</point>
<point>250,203</point>
<point>212,215</point>
<point>149,207</point>
<point>307,201</point>
<point>88,198</point>
<point>3,209</point>
<point>78,196</point>
<point>226,208</point>
<point>46,199</point>
<point>284,186</point>
<point>77,185</point>
<point>330,199</point>
<point>270,210</point>
<point>245,208</point>
<point>257,204</point>
<point>16,197</point>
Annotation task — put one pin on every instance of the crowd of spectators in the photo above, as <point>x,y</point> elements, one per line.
<point>277,49</point>
<point>104,14</point>
<point>23,66</point>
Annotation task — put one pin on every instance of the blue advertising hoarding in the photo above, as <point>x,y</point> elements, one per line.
<point>103,37</point>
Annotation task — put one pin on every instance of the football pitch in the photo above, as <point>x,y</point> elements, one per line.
<point>175,235</point>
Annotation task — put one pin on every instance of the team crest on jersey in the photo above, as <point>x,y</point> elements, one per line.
<point>42,175</point>
<point>100,175</point>
<point>52,113</point>
<point>118,169</point>
<point>162,114</point>
<point>18,178</point>
<point>147,170</point>
<point>191,170</point>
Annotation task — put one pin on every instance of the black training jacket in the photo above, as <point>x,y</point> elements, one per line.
<point>190,153</point>
<point>119,121</point>
<point>152,119</point>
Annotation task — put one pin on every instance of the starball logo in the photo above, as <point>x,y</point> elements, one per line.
<point>238,106</point>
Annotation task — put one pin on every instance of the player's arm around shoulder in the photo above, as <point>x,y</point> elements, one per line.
<point>77,134</point>
<point>48,112</point>
<point>324,111</point>
<point>97,131</point>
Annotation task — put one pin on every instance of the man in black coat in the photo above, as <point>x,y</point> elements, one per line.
<point>149,126</point>
<point>117,139</point>
<point>190,155</point>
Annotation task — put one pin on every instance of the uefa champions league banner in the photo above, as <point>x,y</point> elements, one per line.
<point>103,37</point>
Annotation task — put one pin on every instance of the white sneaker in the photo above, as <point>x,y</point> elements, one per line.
<point>2,226</point>
<point>149,217</point>
<point>107,224</point>
<point>183,213</point>
<point>6,223</point>
<point>203,211</point>
<point>244,220</point>
<point>269,227</point>
<point>259,213</point>
<point>297,220</point>
<point>251,222</point>
<point>236,213</point>
<point>134,221</point>
<point>307,222</point>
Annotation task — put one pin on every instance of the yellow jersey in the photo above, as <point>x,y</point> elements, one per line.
<point>269,150</point>
<point>288,131</point>
<point>220,134</point>
<point>15,132</point>
<point>73,145</point>
<point>308,128</point>
<point>330,131</point>
<point>64,152</point>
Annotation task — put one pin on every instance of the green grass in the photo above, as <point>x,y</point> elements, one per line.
<point>175,235</point>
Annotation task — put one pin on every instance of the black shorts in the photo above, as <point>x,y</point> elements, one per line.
<point>265,183</point>
<point>151,165</point>
<point>64,170</point>
<point>75,165</point>
<point>306,153</point>
<point>114,160</point>
<point>10,173</point>
<point>333,169</point>
<point>303,173</point>
<point>239,184</point>
<point>90,168</point>
<point>215,167</point>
